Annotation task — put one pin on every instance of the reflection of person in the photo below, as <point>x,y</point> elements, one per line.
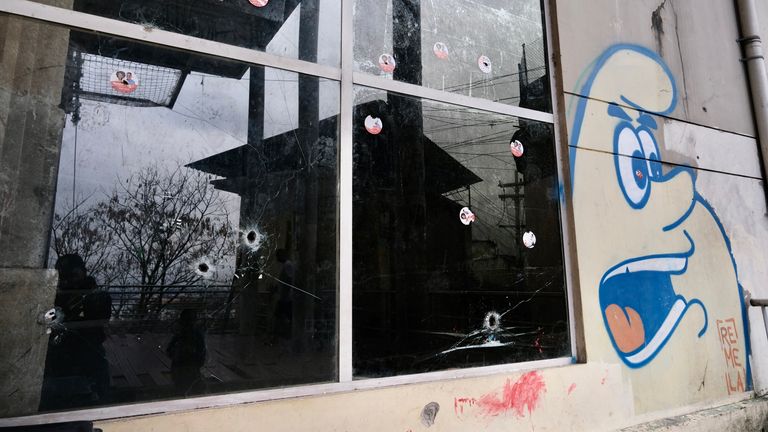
<point>121,77</point>
<point>187,352</point>
<point>129,79</point>
<point>282,297</point>
<point>76,369</point>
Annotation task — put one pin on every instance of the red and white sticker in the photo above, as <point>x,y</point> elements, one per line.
<point>124,81</point>
<point>466,216</point>
<point>441,50</point>
<point>387,63</point>
<point>529,239</point>
<point>373,125</point>
<point>259,3</point>
<point>484,63</point>
<point>516,147</point>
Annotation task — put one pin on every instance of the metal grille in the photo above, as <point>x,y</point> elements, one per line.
<point>99,80</point>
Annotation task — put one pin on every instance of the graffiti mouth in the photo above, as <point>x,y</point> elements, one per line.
<point>640,306</point>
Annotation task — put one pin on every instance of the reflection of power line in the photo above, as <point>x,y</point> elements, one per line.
<point>490,81</point>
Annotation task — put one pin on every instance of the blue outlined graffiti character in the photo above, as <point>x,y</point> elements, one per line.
<point>663,255</point>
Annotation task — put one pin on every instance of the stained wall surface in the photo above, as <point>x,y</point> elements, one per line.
<point>668,198</point>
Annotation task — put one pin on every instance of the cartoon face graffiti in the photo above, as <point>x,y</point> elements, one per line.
<point>655,263</point>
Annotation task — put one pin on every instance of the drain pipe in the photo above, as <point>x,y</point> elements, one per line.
<point>758,79</point>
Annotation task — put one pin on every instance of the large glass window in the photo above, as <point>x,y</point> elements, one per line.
<point>457,240</point>
<point>189,204</point>
<point>194,226</point>
<point>489,49</point>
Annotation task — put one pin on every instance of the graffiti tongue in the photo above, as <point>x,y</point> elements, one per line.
<point>627,328</point>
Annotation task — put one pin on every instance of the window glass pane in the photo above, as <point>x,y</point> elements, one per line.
<point>302,29</point>
<point>194,225</point>
<point>457,239</point>
<point>491,49</point>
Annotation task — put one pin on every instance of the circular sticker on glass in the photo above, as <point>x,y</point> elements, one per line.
<point>124,81</point>
<point>373,125</point>
<point>441,50</point>
<point>387,63</point>
<point>484,63</point>
<point>529,239</point>
<point>516,147</point>
<point>466,216</point>
<point>259,3</point>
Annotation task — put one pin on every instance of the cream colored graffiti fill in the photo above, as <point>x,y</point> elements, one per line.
<point>659,286</point>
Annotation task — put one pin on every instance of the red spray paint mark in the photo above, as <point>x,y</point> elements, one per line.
<point>571,388</point>
<point>516,396</point>
<point>458,404</point>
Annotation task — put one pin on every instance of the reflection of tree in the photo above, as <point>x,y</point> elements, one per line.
<point>158,229</point>
<point>80,231</point>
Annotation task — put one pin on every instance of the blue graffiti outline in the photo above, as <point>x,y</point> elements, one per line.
<point>596,68</point>
<point>587,89</point>
<point>621,127</point>
<point>688,303</point>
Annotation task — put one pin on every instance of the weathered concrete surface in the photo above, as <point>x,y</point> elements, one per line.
<point>695,146</point>
<point>32,59</point>
<point>553,399</point>
<point>748,416</point>
<point>697,41</point>
<point>26,294</point>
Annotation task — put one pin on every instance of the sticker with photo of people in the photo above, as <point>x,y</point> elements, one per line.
<point>124,81</point>
<point>440,50</point>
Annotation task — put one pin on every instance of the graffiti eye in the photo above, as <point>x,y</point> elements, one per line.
<point>651,151</point>
<point>632,168</point>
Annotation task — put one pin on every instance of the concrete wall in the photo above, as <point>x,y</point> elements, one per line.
<point>666,184</point>
<point>32,58</point>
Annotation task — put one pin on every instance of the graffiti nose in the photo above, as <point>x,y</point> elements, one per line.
<point>675,195</point>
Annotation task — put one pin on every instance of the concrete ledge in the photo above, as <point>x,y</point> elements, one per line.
<point>749,415</point>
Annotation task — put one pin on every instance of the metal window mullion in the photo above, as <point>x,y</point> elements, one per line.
<point>563,171</point>
<point>345,194</point>
<point>378,82</point>
<point>108,26</point>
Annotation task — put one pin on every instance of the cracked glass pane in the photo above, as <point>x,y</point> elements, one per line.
<point>489,49</point>
<point>300,29</point>
<point>194,224</point>
<point>457,239</point>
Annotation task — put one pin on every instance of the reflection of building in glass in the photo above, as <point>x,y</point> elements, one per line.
<point>100,71</point>
<point>423,279</point>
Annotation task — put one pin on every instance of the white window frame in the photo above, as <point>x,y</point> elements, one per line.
<point>348,78</point>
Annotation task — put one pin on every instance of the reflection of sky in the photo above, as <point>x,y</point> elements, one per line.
<point>469,28</point>
<point>285,42</point>
<point>209,117</point>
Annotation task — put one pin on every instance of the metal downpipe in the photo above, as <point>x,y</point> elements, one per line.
<point>758,79</point>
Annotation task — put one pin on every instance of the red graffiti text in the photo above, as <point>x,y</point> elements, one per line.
<point>735,375</point>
